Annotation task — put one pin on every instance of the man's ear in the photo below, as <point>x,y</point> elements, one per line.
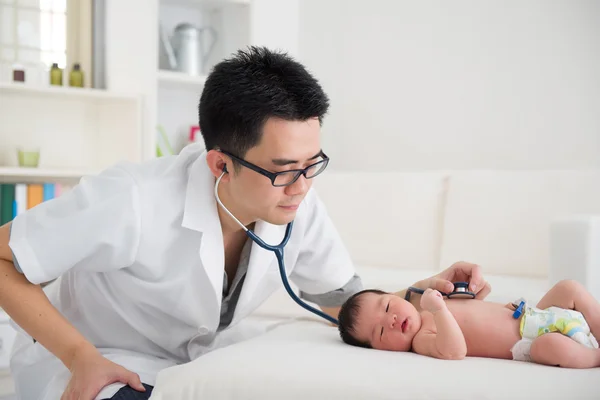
<point>218,163</point>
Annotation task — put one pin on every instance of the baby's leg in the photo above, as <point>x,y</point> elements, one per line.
<point>572,295</point>
<point>559,350</point>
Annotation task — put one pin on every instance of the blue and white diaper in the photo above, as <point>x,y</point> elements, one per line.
<point>536,322</point>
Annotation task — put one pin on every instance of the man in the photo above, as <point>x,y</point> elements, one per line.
<point>150,271</point>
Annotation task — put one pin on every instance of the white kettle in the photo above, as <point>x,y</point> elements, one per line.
<point>185,50</point>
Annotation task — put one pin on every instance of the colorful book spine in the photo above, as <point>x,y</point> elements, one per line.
<point>16,198</point>
<point>35,195</point>
<point>20,198</point>
<point>48,191</point>
<point>7,199</point>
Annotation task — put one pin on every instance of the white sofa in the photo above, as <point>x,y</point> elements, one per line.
<point>542,225</point>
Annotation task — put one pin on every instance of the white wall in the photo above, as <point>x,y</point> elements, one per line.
<point>457,84</point>
<point>275,24</point>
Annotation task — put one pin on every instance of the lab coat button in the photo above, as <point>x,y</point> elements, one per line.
<point>203,331</point>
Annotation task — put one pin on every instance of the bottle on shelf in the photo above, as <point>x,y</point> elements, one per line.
<point>56,75</point>
<point>76,76</point>
<point>18,72</point>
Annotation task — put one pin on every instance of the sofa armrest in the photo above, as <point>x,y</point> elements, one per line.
<point>575,251</point>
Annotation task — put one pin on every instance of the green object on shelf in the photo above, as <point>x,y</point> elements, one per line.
<point>56,75</point>
<point>28,158</point>
<point>163,147</point>
<point>76,76</point>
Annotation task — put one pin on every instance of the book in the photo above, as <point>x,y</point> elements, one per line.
<point>35,195</point>
<point>48,191</point>
<point>20,199</point>
<point>7,201</point>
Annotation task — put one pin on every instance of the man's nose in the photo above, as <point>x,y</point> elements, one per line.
<point>298,187</point>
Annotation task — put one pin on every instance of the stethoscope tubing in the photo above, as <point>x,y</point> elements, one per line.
<point>278,250</point>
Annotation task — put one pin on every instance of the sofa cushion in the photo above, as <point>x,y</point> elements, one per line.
<point>386,219</point>
<point>575,251</point>
<point>501,219</point>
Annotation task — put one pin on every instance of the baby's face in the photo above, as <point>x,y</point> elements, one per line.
<point>387,322</point>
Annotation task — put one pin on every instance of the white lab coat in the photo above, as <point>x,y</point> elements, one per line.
<point>138,251</point>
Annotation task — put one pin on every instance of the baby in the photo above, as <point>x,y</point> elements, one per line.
<point>554,332</point>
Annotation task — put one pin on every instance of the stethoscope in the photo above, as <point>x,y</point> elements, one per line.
<point>461,291</point>
<point>278,250</point>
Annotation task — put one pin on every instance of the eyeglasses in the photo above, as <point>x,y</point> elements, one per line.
<point>285,178</point>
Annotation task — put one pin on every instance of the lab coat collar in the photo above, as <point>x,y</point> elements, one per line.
<point>200,210</point>
<point>200,214</point>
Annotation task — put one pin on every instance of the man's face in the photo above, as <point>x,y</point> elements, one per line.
<point>387,322</point>
<point>284,145</point>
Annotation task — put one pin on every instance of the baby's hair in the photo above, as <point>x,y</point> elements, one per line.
<point>348,316</point>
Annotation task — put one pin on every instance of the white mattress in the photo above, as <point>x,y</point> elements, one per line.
<point>305,360</point>
<point>301,357</point>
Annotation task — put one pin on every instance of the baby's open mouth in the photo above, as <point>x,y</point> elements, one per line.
<point>404,325</point>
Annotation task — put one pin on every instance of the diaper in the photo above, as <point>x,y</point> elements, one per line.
<point>536,322</point>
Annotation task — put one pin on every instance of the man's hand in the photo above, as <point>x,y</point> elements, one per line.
<point>432,301</point>
<point>459,272</point>
<point>91,372</point>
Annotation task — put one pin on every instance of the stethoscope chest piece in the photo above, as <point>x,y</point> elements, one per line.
<point>461,291</point>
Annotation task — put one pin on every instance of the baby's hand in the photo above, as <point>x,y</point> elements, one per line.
<point>432,301</point>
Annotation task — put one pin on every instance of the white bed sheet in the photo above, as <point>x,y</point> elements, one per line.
<point>300,357</point>
<point>306,360</point>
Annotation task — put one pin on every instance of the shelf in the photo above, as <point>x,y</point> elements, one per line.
<point>63,92</point>
<point>28,175</point>
<point>180,80</point>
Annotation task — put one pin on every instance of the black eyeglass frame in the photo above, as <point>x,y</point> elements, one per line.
<point>273,175</point>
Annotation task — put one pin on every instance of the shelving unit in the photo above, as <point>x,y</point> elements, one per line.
<point>80,129</point>
<point>76,130</point>
<point>63,92</point>
<point>34,175</point>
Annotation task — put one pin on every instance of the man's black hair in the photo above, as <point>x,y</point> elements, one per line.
<point>255,84</point>
<point>347,318</point>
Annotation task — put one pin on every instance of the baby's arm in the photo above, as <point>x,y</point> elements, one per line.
<point>440,336</point>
